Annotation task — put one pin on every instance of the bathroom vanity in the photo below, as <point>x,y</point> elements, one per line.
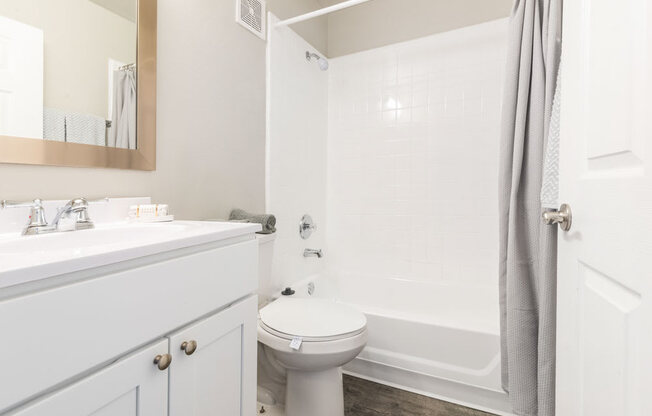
<point>147,319</point>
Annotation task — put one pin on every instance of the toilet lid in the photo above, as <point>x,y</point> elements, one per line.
<point>312,318</point>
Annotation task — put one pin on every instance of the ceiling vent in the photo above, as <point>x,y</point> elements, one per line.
<point>251,14</point>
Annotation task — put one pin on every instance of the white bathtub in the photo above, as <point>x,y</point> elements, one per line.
<point>438,340</point>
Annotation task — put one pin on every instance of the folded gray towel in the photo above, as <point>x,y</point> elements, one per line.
<point>268,221</point>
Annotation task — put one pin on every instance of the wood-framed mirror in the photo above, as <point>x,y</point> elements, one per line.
<point>78,83</point>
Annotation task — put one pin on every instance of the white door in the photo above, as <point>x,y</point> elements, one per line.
<point>216,372</point>
<point>604,317</point>
<point>133,386</point>
<point>21,80</point>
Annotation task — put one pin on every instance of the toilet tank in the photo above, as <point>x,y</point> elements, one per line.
<point>265,256</point>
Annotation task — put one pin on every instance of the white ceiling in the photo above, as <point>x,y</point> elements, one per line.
<point>124,8</point>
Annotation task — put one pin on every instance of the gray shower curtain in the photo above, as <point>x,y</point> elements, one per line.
<point>123,126</point>
<point>528,248</point>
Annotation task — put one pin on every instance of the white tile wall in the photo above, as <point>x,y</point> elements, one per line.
<point>296,152</point>
<point>413,158</point>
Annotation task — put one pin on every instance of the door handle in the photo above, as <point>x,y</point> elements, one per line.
<point>563,217</point>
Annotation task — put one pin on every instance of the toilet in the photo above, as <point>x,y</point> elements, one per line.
<point>310,339</point>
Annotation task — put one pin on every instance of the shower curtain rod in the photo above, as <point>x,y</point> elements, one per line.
<point>321,12</point>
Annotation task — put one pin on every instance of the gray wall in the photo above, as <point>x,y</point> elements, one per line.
<point>383,22</point>
<point>314,31</point>
<point>211,121</point>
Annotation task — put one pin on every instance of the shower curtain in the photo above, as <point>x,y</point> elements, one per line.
<point>123,126</point>
<point>528,248</point>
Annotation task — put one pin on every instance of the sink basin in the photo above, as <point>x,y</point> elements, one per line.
<point>28,258</point>
<point>86,241</point>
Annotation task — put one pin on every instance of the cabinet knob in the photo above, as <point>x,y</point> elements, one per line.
<point>163,361</point>
<point>189,347</point>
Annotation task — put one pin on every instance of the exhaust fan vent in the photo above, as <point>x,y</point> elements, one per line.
<point>251,14</point>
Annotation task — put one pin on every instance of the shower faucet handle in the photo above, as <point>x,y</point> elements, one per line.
<point>306,227</point>
<point>311,252</point>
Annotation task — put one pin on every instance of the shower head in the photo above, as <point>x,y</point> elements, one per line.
<point>323,62</point>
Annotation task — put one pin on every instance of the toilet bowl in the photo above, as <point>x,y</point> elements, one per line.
<point>325,336</point>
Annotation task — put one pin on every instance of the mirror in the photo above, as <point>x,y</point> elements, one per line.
<point>77,82</point>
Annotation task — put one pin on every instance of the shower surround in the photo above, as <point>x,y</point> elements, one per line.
<point>412,208</point>
<point>413,165</point>
<point>394,151</point>
<point>297,129</point>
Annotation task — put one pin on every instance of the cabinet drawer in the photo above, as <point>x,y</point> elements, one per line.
<point>51,336</point>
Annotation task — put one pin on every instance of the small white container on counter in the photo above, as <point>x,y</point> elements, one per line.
<point>150,213</point>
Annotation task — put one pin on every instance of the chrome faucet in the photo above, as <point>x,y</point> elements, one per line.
<point>78,206</point>
<point>311,252</point>
<point>37,223</point>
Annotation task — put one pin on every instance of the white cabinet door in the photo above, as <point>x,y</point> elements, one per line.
<point>133,386</point>
<point>219,377</point>
<point>604,307</point>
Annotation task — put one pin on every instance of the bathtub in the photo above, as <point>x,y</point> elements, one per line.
<point>433,339</point>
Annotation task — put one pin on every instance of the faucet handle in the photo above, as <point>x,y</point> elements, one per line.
<point>36,215</point>
<point>80,206</point>
<point>23,204</point>
<point>306,227</point>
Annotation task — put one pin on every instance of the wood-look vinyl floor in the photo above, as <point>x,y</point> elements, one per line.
<point>366,398</point>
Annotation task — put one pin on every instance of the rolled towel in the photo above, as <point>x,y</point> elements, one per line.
<point>54,124</point>
<point>85,129</point>
<point>268,221</point>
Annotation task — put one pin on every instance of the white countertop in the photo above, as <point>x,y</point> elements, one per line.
<point>29,258</point>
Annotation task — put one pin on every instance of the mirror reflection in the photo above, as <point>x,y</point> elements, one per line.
<point>68,71</point>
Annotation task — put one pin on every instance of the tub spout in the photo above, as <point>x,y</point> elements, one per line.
<point>311,252</point>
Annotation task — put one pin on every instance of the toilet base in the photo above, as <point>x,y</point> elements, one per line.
<point>314,393</point>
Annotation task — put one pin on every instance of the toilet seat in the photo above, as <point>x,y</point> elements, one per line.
<point>308,339</point>
<point>311,319</point>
